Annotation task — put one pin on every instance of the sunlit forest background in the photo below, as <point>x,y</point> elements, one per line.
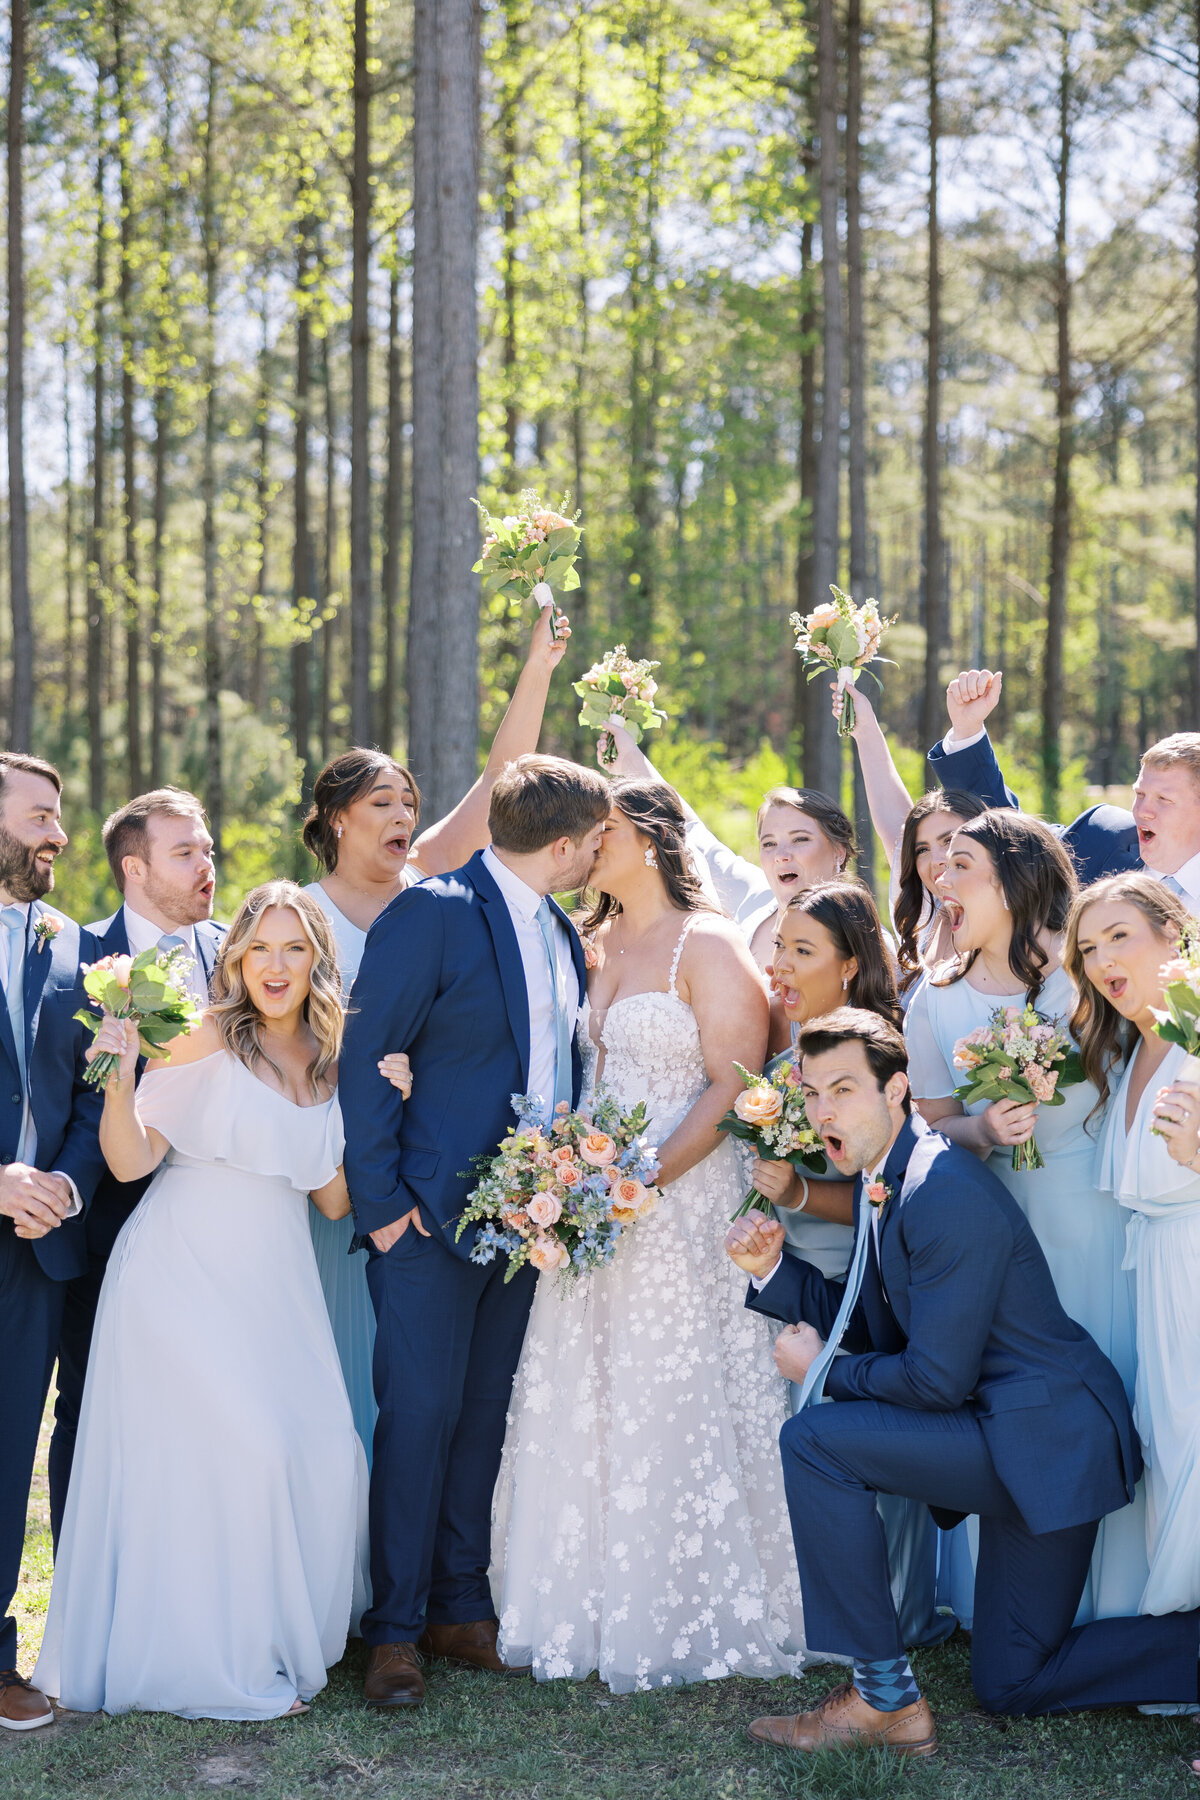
<point>900,293</point>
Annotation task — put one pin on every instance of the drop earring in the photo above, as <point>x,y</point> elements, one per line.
<point>845,984</point>
<point>339,831</point>
<point>650,860</point>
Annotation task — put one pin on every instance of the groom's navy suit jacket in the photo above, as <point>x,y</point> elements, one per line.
<point>442,979</point>
<point>961,1311</point>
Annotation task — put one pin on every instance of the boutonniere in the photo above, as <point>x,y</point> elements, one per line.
<point>879,1193</point>
<point>46,930</point>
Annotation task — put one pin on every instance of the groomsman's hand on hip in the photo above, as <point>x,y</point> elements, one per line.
<point>755,1243</point>
<point>388,1235</point>
<point>35,1201</point>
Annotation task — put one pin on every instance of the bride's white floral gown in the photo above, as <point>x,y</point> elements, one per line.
<point>640,1527</point>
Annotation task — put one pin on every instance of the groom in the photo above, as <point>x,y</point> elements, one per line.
<point>966,1386</point>
<point>478,977</point>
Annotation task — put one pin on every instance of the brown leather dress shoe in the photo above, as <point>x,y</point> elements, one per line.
<point>473,1644</point>
<point>394,1676</point>
<point>843,1720</point>
<point>22,1707</point>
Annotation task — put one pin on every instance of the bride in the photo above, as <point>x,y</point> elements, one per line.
<point>640,1527</point>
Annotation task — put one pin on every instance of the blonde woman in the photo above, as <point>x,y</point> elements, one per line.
<point>211,1553</point>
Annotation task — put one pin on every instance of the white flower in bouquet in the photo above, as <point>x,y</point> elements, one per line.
<point>529,553</point>
<point>841,636</point>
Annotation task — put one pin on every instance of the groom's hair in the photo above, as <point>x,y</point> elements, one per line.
<point>539,799</point>
<point>886,1051</point>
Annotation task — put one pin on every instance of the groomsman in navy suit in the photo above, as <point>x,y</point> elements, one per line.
<point>160,852</point>
<point>966,1386</point>
<point>477,976</point>
<point>50,1159</point>
<point>1103,839</point>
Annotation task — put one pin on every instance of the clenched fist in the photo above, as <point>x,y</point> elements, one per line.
<point>755,1243</point>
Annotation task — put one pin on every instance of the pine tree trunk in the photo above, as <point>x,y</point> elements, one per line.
<point>327,641</point>
<point>128,584</point>
<point>822,746</point>
<point>158,558</point>
<point>508,236</point>
<point>443,640</point>
<point>933,610</point>
<point>1196,388</point>
<point>21,714</point>
<point>262,502</point>
<point>807,452</point>
<point>96,536</point>
<point>360,394</point>
<point>213,796</point>
<point>857,347</point>
<point>393,514</point>
<point>68,553</point>
<point>303,569</point>
<point>580,624</point>
<point>1064,448</point>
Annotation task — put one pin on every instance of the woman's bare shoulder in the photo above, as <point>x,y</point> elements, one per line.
<point>193,1046</point>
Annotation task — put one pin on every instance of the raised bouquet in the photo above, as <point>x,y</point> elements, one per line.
<point>1179,1022</point>
<point>1018,1055</point>
<point>619,690</point>
<point>151,989</point>
<point>843,637</point>
<point>560,1195</point>
<point>770,1115</point>
<point>529,553</point>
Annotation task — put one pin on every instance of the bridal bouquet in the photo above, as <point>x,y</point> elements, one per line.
<point>618,689</point>
<point>529,553</point>
<point>1017,1055</point>
<point>1179,1022</point>
<point>841,636</point>
<point>151,989</point>
<point>770,1115</point>
<point>559,1196</point>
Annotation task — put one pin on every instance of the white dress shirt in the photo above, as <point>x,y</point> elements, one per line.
<point>523,903</point>
<point>143,934</point>
<point>27,1140</point>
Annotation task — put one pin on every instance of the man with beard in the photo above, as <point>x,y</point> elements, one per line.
<point>160,853</point>
<point>50,1160</point>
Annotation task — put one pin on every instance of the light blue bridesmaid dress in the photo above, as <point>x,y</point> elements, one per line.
<point>1082,1233</point>
<point>909,1529</point>
<point>343,1275</point>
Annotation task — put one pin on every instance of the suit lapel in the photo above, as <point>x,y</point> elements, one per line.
<point>206,951</point>
<point>38,958</point>
<point>508,957</point>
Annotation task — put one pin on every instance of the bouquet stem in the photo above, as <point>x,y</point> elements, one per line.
<point>1027,1156</point>
<point>753,1199</point>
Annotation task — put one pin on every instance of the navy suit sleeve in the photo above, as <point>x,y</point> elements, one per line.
<point>79,1154</point>
<point>397,985</point>
<point>958,1254</point>
<point>976,770</point>
<point>799,1294</point>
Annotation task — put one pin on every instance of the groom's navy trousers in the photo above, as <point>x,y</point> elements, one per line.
<point>441,978</point>
<point>968,1387</point>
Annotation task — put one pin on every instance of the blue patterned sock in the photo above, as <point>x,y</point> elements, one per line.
<point>887,1685</point>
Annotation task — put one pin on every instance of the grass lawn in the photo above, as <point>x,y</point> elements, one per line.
<point>482,1737</point>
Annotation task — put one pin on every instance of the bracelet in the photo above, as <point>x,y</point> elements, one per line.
<point>801,1204</point>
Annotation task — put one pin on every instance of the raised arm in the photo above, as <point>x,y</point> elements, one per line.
<point>965,757</point>
<point>887,796</point>
<point>455,839</point>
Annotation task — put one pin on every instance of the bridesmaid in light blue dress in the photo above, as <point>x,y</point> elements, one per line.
<point>1007,892</point>
<point>1122,932</point>
<point>360,829</point>
<point>829,951</point>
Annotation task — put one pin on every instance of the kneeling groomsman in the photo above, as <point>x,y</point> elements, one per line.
<point>50,1159</point>
<point>161,856</point>
<point>965,1385</point>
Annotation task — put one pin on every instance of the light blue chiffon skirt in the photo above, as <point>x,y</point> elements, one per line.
<point>344,1281</point>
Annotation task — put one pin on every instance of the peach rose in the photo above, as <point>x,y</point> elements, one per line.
<point>598,1149</point>
<point>824,615</point>
<point>562,1153</point>
<point>759,1105</point>
<point>650,1200</point>
<point>519,1222</point>
<point>568,1175</point>
<point>545,1209</point>
<point>547,1253</point>
<point>628,1194</point>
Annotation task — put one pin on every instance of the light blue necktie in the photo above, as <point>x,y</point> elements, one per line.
<point>562,1032</point>
<point>170,940</point>
<point>1172,886</point>
<point>814,1382</point>
<point>15,924</point>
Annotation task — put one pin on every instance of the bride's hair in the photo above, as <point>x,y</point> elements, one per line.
<point>654,810</point>
<point>238,1020</point>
